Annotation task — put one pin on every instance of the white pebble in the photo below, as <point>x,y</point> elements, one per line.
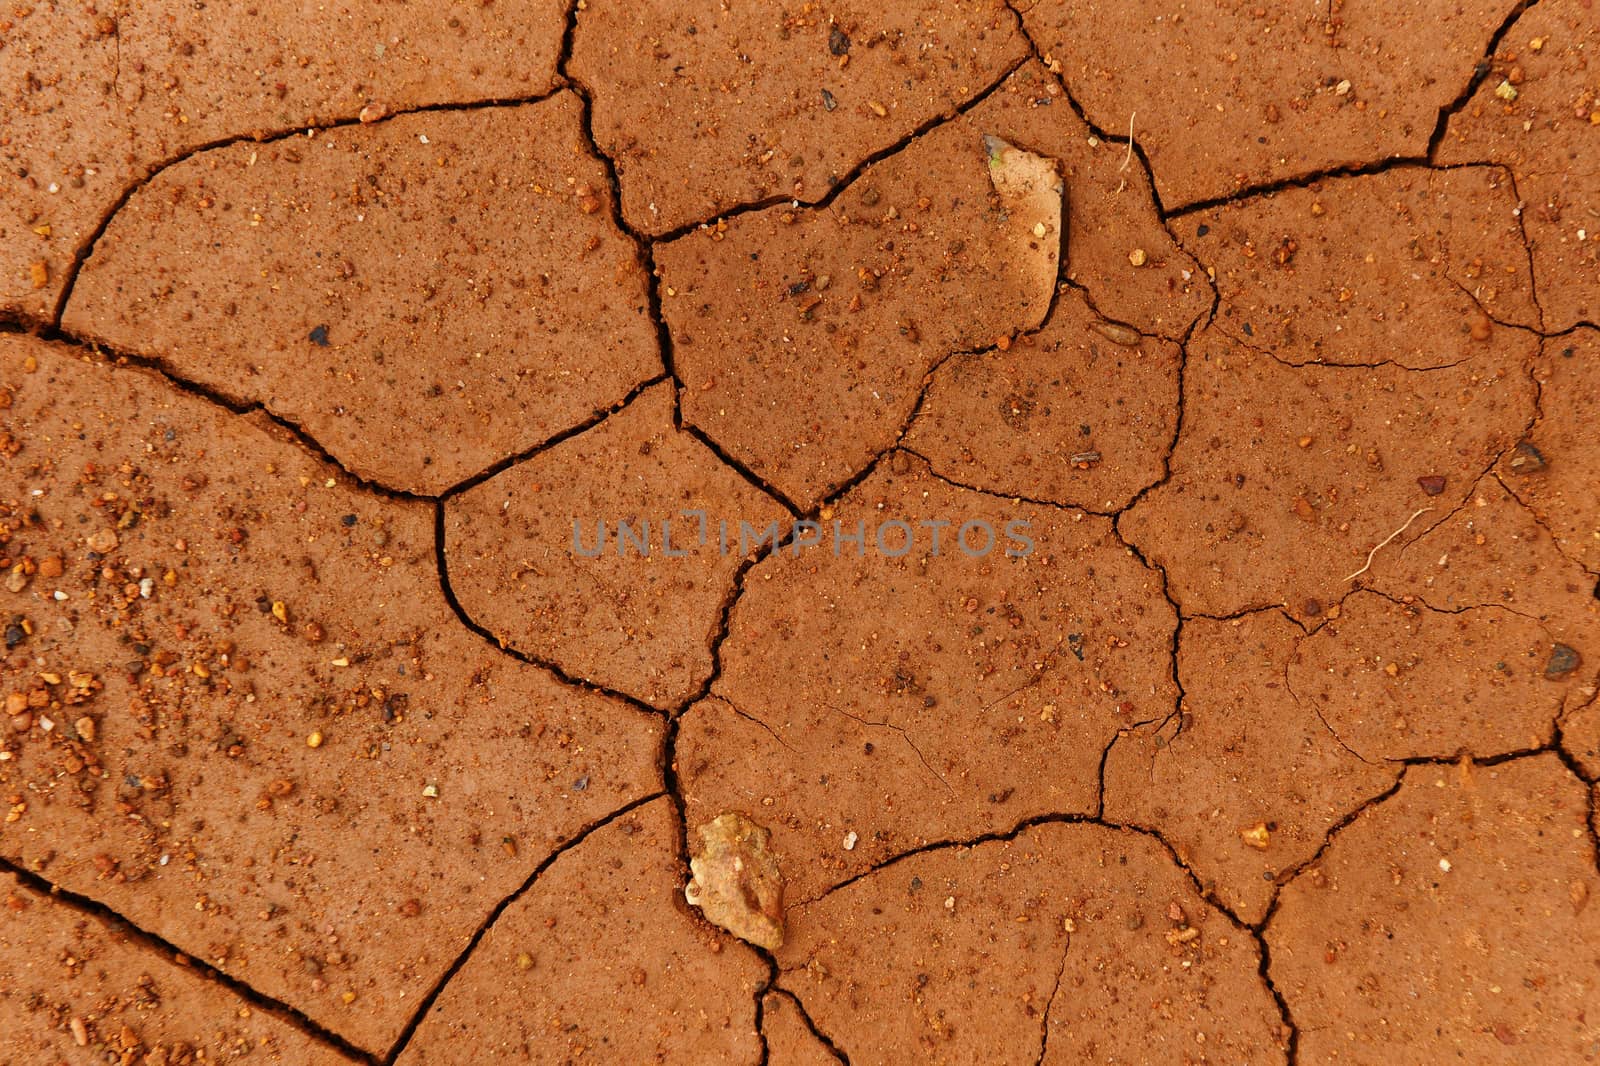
<point>850,839</point>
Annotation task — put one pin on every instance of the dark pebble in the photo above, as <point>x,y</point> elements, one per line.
<point>838,43</point>
<point>1432,484</point>
<point>828,102</point>
<point>1526,459</point>
<point>319,336</point>
<point>15,635</point>
<point>1563,660</point>
<point>348,520</point>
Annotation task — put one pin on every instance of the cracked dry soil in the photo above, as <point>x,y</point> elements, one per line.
<point>334,339</point>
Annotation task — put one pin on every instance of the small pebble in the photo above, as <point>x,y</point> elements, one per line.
<point>1525,459</point>
<point>1137,257</point>
<point>1563,661</point>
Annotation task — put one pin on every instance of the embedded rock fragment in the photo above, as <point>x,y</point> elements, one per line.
<point>849,306</point>
<point>1002,672</point>
<point>737,884</point>
<point>708,106</point>
<point>1397,680</point>
<point>1246,783</point>
<point>1553,472</point>
<point>1221,97</point>
<point>611,553</point>
<point>1453,921</point>
<point>425,296</point>
<point>598,959</point>
<point>1030,191</point>
<point>1080,413</point>
<point>1028,950</point>
<point>1412,266</point>
<point>1118,250</point>
<point>95,99</point>
<point>1287,479</point>
<point>853,305</point>
<point>1544,130</point>
<point>242,713</point>
<point>75,988</point>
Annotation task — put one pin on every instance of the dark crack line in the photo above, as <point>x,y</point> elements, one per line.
<point>1318,364</point>
<point>753,720</point>
<point>1316,708</point>
<point>739,467</point>
<point>1544,524</point>
<point>1134,149</point>
<point>1532,331</point>
<point>1290,1035</point>
<point>599,416</point>
<point>1527,247</point>
<point>428,1001</point>
<point>905,735</point>
<point>1049,1004</point>
<point>505,647</point>
<point>1480,73</point>
<point>154,170</point>
<point>1561,737</point>
<point>1008,497</point>
<point>1289,873</point>
<point>805,1016</point>
<point>108,355</point>
<point>1032,822</point>
<point>159,945</point>
<point>929,377</point>
<point>1180,697</point>
<point>838,185</point>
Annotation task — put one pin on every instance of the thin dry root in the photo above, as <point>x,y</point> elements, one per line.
<point>1385,541</point>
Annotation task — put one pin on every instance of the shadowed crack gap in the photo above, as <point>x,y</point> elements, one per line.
<point>159,945</point>
<point>154,170</point>
<point>111,356</point>
<point>805,1017</point>
<point>502,646</point>
<point>1044,1017</point>
<point>838,185</point>
<point>428,1001</point>
<point>561,436</point>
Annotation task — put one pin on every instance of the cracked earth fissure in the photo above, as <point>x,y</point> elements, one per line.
<point>1044,1015</point>
<point>160,946</point>
<point>85,250</point>
<point>805,1016</point>
<point>1480,73</point>
<point>837,185</point>
<point>500,644</point>
<point>644,247</point>
<point>421,1012</point>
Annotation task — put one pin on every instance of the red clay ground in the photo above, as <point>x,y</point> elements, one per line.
<point>1265,345</point>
